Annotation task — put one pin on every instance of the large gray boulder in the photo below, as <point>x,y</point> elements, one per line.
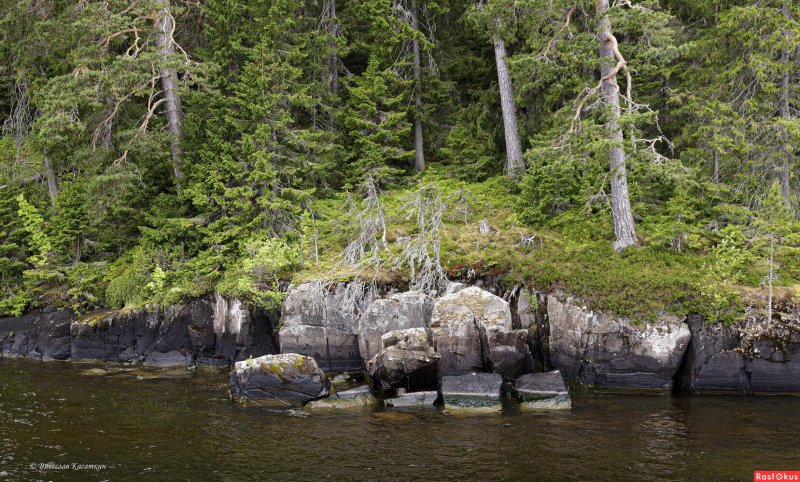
<point>473,332</point>
<point>490,311</point>
<point>381,317</point>
<point>457,339</point>
<point>240,331</point>
<point>542,391</point>
<point>750,356</point>
<point>408,362</point>
<point>593,348</point>
<point>408,339</point>
<point>336,350</point>
<point>508,352</point>
<point>416,306</point>
<point>454,287</point>
<point>284,379</point>
<point>472,391</point>
<point>320,322</point>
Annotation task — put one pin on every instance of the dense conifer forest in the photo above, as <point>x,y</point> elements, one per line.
<point>642,154</point>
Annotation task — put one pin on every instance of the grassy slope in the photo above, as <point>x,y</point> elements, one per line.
<point>576,257</point>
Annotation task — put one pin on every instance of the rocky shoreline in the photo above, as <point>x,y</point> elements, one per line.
<point>408,342</point>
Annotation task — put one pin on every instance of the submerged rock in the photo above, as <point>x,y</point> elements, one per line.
<point>472,391</point>
<point>424,400</point>
<point>287,378</point>
<point>172,358</point>
<point>593,348</point>
<point>542,391</point>
<point>354,398</point>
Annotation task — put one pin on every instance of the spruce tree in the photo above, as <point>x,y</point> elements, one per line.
<point>376,123</point>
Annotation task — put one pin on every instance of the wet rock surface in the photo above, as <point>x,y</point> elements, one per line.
<point>37,335</point>
<point>413,400</point>
<point>353,398</point>
<point>749,357</point>
<point>593,348</point>
<point>545,391</point>
<point>472,391</point>
<point>203,330</point>
<point>287,379</point>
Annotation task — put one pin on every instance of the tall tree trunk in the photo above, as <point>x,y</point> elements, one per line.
<point>715,159</point>
<point>786,113</point>
<point>515,167</point>
<point>329,10</point>
<point>169,81</point>
<point>52,182</point>
<point>770,277</point>
<point>624,229</point>
<point>419,153</point>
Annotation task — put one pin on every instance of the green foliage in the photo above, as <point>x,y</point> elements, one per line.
<point>256,276</point>
<point>14,299</point>
<point>33,223</point>
<point>721,274</point>
<point>287,109</point>
<point>376,124</point>
<point>127,280</point>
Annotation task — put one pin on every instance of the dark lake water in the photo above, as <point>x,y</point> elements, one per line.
<point>178,425</point>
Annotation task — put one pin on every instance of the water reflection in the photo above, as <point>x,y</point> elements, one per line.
<point>179,425</point>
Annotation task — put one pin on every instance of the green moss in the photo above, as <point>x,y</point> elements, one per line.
<point>97,317</point>
<point>278,366</point>
<point>573,254</point>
